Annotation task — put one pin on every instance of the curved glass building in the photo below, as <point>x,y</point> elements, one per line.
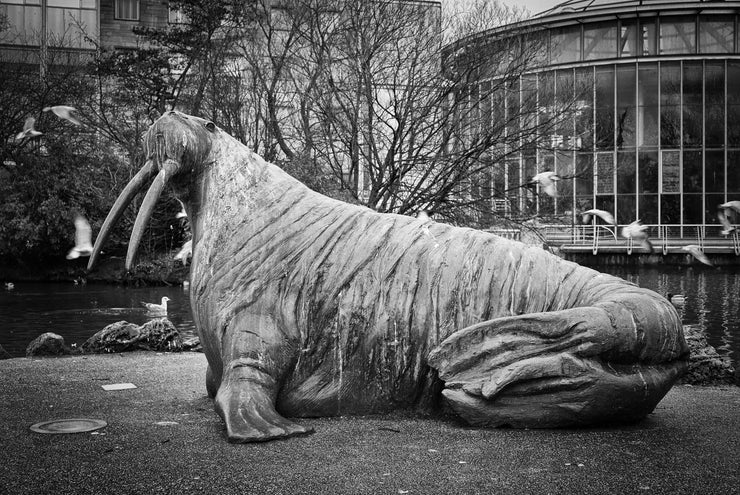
<point>655,131</point>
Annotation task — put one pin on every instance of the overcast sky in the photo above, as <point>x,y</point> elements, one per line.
<point>534,6</point>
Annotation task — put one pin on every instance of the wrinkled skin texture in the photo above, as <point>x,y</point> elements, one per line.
<point>307,306</point>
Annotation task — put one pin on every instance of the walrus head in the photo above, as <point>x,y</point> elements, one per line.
<point>174,146</point>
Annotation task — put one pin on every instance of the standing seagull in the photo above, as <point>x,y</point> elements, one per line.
<point>64,112</point>
<point>28,130</point>
<point>697,253</point>
<point>83,237</point>
<point>548,181</point>
<point>604,215</point>
<point>727,227</point>
<point>637,231</point>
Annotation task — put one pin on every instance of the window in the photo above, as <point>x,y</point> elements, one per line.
<point>716,35</point>
<point>693,108</point>
<point>714,171</point>
<point>677,36</point>
<point>67,23</point>
<point>733,173</point>
<point>23,22</point>
<point>566,45</point>
<point>585,176</point>
<point>692,172</point>
<point>647,101</point>
<point>628,39</point>
<point>638,39</point>
<point>714,104</point>
<point>626,172</point>
<point>604,107</point>
<point>670,104</point>
<point>604,173</point>
<point>584,109</point>
<point>626,108</point>
<point>733,104</point>
<point>671,172</point>
<point>127,10</point>
<point>177,15</point>
<point>648,171</point>
<point>600,41</point>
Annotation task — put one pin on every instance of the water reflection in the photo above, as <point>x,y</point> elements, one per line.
<point>76,312</point>
<point>711,298</point>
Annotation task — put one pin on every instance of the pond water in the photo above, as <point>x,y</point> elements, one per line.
<point>76,312</point>
<point>711,295</point>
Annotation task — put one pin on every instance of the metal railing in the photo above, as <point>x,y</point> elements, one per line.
<point>666,238</point>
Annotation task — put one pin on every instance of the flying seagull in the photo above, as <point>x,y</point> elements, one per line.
<point>678,300</point>
<point>604,215</point>
<point>185,252</point>
<point>731,205</point>
<point>697,253</point>
<point>83,238</point>
<point>64,112</point>
<point>182,213</point>
<point>637,231</point>
<point>548,181</point>
<point>28,130</point>
<point>727,227</point>
<point>424,217</point>
<point>157,308</point>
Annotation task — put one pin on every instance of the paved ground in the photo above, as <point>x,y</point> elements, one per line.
<point>691,444</point>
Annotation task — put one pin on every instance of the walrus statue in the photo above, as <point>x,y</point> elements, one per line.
<point>308,306</point>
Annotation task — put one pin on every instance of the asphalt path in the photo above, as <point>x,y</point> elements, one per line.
<point>164,437</point>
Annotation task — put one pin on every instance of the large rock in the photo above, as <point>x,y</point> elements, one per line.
<point>155,335</point>
<point>706,366</point>
<point>160,335</point>
<point>192,344</point>
<point>47,344</point>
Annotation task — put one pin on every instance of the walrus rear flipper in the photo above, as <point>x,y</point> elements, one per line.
<point>540,370</point>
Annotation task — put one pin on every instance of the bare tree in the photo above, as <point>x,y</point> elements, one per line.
<point>370,92</point>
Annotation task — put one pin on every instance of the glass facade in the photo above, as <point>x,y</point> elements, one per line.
<point>654,133</point>
<point>65,23</point>
<point>642,37</point>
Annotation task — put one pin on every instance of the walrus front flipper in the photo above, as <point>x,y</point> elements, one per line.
<point>254,361</point>
<point>563,368</point>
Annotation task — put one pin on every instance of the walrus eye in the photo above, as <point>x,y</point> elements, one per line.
<point>211,126</point>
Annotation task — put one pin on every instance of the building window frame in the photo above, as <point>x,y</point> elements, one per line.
<point>127,10</point>
<point>176,15</point>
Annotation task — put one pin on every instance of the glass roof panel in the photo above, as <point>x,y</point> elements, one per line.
<point>572,6</point>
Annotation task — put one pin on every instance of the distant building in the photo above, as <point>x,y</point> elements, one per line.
<point>43,30</point>
<point>655,131</point>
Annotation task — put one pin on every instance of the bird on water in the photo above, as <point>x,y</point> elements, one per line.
<point>157,308</point>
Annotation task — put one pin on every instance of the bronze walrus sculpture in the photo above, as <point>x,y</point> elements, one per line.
<point>307,306</point>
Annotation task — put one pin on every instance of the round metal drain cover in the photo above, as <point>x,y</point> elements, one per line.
<point>72,425</point>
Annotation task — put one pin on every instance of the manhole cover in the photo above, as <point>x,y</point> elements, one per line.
<point>72,425</point>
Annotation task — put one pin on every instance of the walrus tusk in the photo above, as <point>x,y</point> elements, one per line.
<point>145,213</point>
<point>127,195</point>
